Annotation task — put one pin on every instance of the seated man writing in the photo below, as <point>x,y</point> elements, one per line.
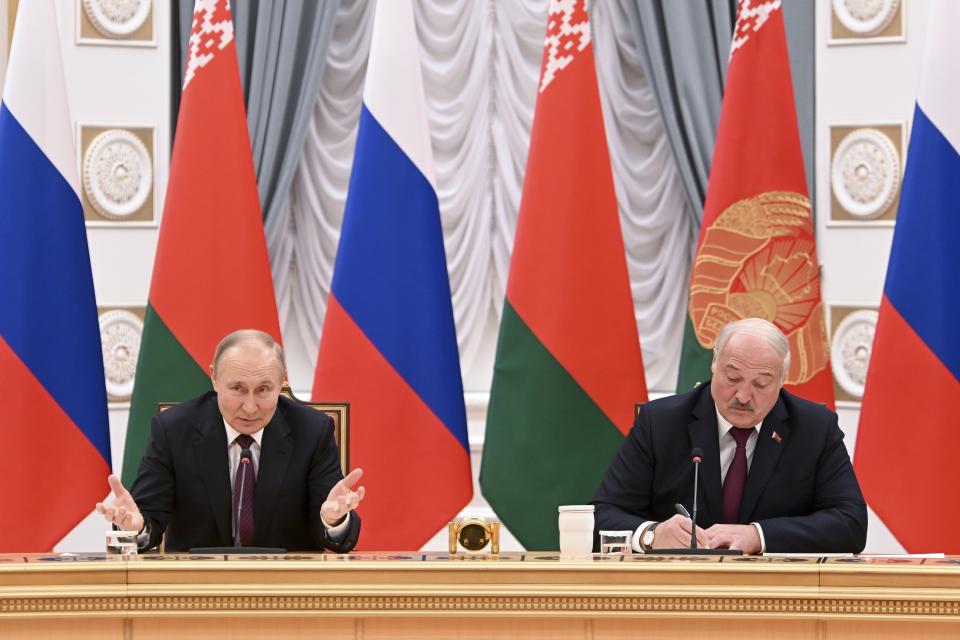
<point>241,448</point>
<point>775,475</point>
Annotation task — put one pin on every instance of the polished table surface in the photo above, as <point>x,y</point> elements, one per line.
<point>510,595</point>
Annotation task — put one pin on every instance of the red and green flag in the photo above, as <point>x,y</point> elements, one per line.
<point>757,255</point>
<point>568,366</point>
<point>212,273</point>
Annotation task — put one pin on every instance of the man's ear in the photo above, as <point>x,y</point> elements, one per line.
<point>213,377</point>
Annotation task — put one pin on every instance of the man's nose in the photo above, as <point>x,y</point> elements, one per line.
<point>743,394</point>
<point>249,405</point>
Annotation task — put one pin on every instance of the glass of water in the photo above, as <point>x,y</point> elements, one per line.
<point>616,542</point>
<point>121,545</point>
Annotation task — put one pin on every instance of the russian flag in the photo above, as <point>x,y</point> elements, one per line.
<point>908,422</point>
<point>54,430</point>
<point>389,344</point>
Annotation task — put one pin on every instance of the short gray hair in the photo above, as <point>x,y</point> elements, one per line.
<point>763,329</point>
<point>256,336</point>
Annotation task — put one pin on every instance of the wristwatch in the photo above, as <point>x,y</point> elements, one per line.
<point>646,540</point>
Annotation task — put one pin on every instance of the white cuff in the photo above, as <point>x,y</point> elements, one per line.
<point>337,532</point>
<point>637,547</point>
<point>763,542</point>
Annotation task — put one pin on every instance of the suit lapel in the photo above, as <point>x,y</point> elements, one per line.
<point>276,449</point>
<point>765,458</point>
<point>210,447</point>
<point>703,434</point>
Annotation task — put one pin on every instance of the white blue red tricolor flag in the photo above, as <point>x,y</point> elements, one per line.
<point>906,457</point>
<point>53,433</point>
<point>389,344</point>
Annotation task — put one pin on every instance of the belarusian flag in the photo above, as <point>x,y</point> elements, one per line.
<point>212,273</point>
<point>568,366</point>
<point>757,255</point>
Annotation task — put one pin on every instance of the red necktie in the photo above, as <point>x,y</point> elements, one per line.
<point>736,479</point>
<point>244,487</point>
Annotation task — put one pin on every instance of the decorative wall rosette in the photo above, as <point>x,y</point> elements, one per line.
<point>866,20</point>
<point>120,332</point>
<point>118,22</point>
<point>850,347</point>
<point>117,174</point>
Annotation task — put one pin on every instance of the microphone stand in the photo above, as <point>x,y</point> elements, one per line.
<point>244,463</point>
<point>246,459</point>
<point>695,457</point>
<point>693,520</point>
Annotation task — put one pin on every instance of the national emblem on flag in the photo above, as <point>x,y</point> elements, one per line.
<point>757,255</point>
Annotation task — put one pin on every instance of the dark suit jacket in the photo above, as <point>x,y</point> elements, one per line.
<point>800,490</point>
<point>183,483</point>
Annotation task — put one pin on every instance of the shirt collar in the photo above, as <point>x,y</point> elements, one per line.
<point>233,433</point>
<point>724,426</point>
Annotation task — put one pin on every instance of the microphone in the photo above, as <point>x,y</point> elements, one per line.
<point>246,460</point>
<point>696,457</point>
<point>696,454</point>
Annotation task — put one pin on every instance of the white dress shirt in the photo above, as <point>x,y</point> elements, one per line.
<point>728,446</point>
<point>233,455</point>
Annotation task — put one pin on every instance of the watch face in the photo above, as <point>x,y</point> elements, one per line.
<point>473,537</point>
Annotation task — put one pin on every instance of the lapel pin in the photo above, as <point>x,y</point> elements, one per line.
<point>776,436</point>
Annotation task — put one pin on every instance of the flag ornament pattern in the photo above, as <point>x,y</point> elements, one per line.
<point>211,274</point>
<point>568,367</point>
<point>54,431</point>
<point>568,33</point>
<point>756,256</point>
<point>389,342</point>
<point>211,31</point>
<point>908,417</point>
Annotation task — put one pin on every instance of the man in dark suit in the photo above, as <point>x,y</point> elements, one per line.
<point>188,485</point>
<point>775,474</point>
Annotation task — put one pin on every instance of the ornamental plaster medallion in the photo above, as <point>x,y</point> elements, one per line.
<point>120,332</point>
<point>117,174</point>
<point>865,173</point>
<point>865,17</point>
<point>851,348</point>
<point>117,18</point>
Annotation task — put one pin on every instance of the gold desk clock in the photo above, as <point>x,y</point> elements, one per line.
<point>474,534</point>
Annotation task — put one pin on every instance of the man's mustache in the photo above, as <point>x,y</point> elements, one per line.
<point>733,404</point>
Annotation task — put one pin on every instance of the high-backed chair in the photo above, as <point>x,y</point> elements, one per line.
<point>338,411</point>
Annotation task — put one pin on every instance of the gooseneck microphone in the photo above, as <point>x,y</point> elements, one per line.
<point>246,460</point>
<point>696,454</point>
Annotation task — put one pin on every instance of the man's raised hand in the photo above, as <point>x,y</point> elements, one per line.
<point>121,510</point>
<point>342,499</point>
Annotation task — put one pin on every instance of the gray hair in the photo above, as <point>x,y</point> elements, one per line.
<point>760,328</point>
<point>243,336</point>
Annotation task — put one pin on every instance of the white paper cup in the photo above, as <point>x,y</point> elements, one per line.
<point>576,529</point>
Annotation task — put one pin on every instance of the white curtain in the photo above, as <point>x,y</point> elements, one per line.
<point>481,63</point>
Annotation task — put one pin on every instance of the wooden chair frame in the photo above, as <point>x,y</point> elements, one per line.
<point>338,411</point>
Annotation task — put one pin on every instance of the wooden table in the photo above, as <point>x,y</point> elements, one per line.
<point>433,595</point>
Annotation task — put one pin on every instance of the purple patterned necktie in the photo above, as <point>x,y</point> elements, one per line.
<point>736,478</point>
<point>244,484</point>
